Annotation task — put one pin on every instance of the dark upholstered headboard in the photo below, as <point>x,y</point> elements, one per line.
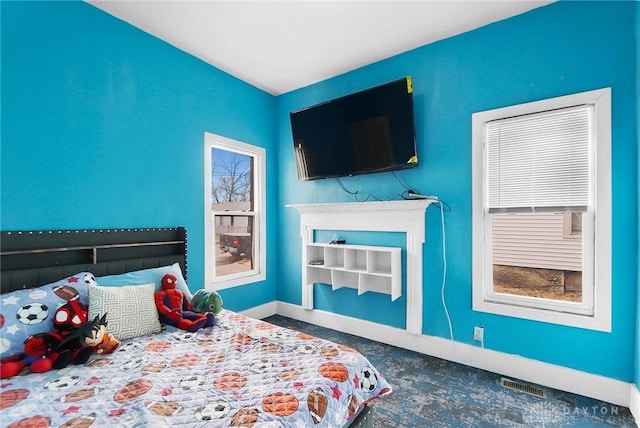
<point>32,258</point>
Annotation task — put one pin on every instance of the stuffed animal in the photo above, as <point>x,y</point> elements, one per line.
<point>11,366</point>
<point>175,308</point>
<point>206,301</point>
<point>94,335</point>
<point>55,349</point>
<point>39,356</point>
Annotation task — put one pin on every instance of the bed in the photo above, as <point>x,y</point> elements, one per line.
<point>242,372</point>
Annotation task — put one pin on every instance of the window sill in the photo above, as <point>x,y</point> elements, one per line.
<point>221,284</point>
<point>598,321</point>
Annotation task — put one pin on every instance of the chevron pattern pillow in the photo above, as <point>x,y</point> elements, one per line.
<point>131,310</point>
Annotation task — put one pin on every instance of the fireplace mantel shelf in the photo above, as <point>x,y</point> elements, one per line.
<point>406,216</point>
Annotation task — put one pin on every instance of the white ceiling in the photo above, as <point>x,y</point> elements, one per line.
<point>280,46</point>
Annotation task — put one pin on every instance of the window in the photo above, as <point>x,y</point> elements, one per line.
<point>234,212</point>
<point>572,225</point>
<point>542,210</point>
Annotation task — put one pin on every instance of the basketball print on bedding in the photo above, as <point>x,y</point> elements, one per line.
<point>157,346</point>
<point>242,339</point>
<point>334,371</point>
<point>280,404</point>
<point>187,360</point>
<point>230,381</point>
<point>217,358</point>
<point>37,421</point>
<point>270,348</point>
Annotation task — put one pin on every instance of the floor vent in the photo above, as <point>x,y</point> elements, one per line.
<point>522,387</point>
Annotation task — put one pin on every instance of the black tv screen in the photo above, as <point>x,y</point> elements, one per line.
<point>365,132</point>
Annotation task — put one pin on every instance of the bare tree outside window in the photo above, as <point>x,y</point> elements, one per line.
<point>232,193</point>
<point>231,177</point>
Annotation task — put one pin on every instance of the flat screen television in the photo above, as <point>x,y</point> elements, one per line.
<point>365,132</point>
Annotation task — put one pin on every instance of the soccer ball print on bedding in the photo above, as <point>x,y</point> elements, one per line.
<point>368,380</point>
<point>32,313</point>
<point>212,411</point>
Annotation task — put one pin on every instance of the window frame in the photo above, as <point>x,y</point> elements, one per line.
<point>595,311</point>
<point>258,272</point>
<point>568,230</point>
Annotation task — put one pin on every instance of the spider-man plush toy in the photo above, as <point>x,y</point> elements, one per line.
<point>175,309</point>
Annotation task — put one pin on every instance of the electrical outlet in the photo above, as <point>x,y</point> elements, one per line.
<point>478,333</point>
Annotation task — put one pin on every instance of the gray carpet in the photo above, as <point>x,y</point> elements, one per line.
<point>431,392</point>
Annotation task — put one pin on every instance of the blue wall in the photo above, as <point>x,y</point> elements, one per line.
<point>559,49</point>
<point>103,126</point>
<point>637,40</point>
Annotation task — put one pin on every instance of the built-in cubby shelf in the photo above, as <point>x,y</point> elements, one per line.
<point>381,216</point>
<point>364,268</point>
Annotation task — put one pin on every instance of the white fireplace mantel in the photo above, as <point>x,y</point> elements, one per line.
<point>406,216</point>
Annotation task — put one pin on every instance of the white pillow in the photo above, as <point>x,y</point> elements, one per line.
<point>131,309</point>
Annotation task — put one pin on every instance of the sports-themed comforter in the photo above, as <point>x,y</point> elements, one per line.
<point>240,373</point>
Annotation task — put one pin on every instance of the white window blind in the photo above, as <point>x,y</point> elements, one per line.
<point>540,162</point>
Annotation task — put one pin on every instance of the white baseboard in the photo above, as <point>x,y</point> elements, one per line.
<point>262,311</point>
<point>558,377</point>
<point>634,402</point>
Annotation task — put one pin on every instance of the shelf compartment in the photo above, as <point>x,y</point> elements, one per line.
<point>356,260</point>
<point>334,257</point>
<point>374,283</point>
<point>379,284</point>
<point>342,278</point>
<point>315,254</point>
<point>379,262</point>
<point>318,274</point>
<point>361,267</point>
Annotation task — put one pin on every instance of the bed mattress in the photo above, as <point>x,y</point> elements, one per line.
<point>242,372</point>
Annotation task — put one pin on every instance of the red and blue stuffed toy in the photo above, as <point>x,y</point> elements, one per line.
<point>175,308</point>
<point>73,342</point>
